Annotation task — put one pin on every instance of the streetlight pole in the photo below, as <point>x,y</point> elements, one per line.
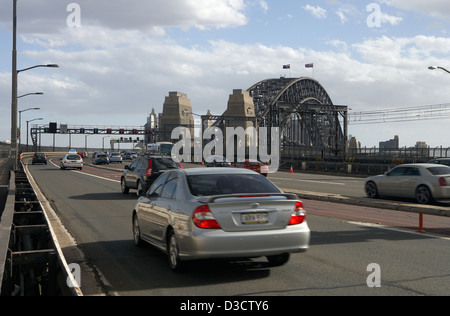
<point>38,119</point>
<point>437,67</point>
<point>14,90</point>
<point>15,72</point>
<point>20,124</point>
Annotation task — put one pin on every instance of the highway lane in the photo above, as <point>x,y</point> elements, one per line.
<point>98,217</point>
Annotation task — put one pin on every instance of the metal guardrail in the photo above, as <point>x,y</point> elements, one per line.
<point>31,263</point>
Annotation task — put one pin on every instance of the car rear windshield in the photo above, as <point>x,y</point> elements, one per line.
<point>39,155</point>
<point>437,171</point>
<point>164,164</point>
<point>73,157</point>
<point>211,184</point>
<point>102,156</point>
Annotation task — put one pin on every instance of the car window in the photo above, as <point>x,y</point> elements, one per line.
<point>412,171</point>
<point>73,157</point>
<point>211,184</point>
<point>170,186</point>
<point>143,164</point>
<point>158,186</point>
<point>437,171</point>
<point>399,171</point>
<point>134,163</point>
<point>164,164</point>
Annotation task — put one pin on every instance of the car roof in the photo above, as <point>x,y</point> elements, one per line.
<point>424,165</point>
<point>208,171</point>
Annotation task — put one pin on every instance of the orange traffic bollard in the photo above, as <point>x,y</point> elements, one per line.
<point>421,223</point>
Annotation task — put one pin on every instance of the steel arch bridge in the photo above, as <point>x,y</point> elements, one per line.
<point>310,124</point>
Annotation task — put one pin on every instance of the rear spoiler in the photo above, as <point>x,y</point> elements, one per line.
<point>211,199</point>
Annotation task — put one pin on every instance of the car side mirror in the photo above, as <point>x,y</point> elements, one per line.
<point>127,167</point>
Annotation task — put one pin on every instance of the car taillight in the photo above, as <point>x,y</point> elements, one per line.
<point>203,218</point>
<point>149,169</point>
<point>443,182</point>
<point>298,215</point>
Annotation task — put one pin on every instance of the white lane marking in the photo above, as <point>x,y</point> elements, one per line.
<point>88,174</point>
<point>310,181</point>
<point>398,230</point>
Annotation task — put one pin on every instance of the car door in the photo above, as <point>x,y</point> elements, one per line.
<point>163,206</point>
<point>147,208</point>
<point>130,175</point>
<point>409,182</point>
<point>390,184</point>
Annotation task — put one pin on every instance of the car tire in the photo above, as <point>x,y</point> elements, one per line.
<point>174,253</point>
<point>371,190</point>
<point>138,242</point>
<point>123,186</point>
<point>140,188</point>
<point>423,195</point>
<point>279,260</point>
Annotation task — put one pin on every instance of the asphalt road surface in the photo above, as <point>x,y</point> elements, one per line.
<point>343,256</point>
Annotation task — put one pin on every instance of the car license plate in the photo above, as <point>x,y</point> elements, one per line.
<point>254,218</point>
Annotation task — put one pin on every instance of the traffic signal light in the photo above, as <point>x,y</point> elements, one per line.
<point>121,131</point>
<point>81,130</point>
<point>135,132</point>
<point>52,128</point>
<point>108,131</point>
<point>95,130</point>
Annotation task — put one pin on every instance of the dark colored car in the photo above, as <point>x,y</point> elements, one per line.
<point>441,161</point>
<point>39,158</point>
<point>143,171</point>
<point>101,159</point>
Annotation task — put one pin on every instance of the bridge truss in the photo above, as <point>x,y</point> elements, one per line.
<point>310,124</point>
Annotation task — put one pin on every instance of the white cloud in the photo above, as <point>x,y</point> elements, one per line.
<point>317,12</point>
<point>48,16</point>
<point>435,8</point>
<point>390,19</point>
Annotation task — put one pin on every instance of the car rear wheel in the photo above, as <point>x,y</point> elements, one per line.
<point>174,253</point>
<point>371,190</point>
<point>140,189</point>
<point>423,195</point>
<point>124,187</point>
<point>279,260</point>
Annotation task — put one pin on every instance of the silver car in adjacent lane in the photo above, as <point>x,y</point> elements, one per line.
<point>220,213</point>
<point>424,182</point>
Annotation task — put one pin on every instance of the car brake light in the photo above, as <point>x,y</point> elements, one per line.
<point>298,215</point>
<point>443,182</point>
<point>149,169</point>
<point>203,218</point>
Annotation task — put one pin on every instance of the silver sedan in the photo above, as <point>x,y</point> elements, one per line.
<point>220,213</point>
<point>424,182</point>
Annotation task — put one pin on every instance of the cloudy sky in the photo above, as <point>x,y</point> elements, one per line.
<point>119,59</point>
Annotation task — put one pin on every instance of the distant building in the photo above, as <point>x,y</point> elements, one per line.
<point>421,145</point>
<point>390,144</point>
<point>354,146</point>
